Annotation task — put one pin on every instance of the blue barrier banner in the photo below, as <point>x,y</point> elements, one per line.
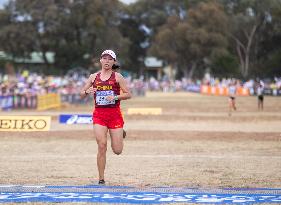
<point>193,88</point>
<point>131,195</point>
<point>75,119</point>
<point>6,102</point>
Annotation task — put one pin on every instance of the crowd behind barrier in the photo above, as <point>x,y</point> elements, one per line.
<point>21,91</point>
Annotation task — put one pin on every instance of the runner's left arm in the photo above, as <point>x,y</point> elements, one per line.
<point>125,92</point>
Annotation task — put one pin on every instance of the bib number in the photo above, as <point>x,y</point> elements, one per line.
<point>101,97</point>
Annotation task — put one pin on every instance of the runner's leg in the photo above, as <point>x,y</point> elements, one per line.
<point>101,138</point>
<point>233,104</point>
<point>116,140</point>
<point>229,106</point>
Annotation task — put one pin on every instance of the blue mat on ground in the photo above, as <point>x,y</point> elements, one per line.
<point>133,195</point>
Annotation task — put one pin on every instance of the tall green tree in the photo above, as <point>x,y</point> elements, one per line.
<point>13,38</point>
<point>131,30</point>
<point>89,27</point>
<point>248,19</point>
<point>42,19</point>
<point>195,40</point>
<point>268,50</point>
<point>143,19</point>
<point>74,30</point>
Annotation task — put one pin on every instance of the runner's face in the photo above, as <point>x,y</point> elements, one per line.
<point>106,62</point>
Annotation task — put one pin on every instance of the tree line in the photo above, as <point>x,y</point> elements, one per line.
<point>230,38</point>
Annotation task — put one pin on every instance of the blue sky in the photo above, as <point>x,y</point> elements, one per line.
<point>2,2</point>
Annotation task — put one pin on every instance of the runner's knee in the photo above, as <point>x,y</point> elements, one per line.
<point>117,151</point>
<point>102,147</point>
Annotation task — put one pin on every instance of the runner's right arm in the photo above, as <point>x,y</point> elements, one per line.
<point>87,87</point>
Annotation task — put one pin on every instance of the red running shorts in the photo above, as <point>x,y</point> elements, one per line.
<point>108,117</point>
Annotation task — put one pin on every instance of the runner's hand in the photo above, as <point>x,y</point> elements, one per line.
<point>91,90</point>
<point>110,98</point>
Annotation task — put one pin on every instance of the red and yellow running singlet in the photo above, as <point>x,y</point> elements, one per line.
<point>107,113</point>
<point>106,88</point>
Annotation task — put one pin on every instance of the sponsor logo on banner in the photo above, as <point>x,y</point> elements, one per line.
<point>75,119</point>
<point>25,123</point>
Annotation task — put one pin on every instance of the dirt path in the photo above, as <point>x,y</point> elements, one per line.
<point>193,144</point>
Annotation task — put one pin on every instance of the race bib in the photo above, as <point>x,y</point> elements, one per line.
<point>101,97</point>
